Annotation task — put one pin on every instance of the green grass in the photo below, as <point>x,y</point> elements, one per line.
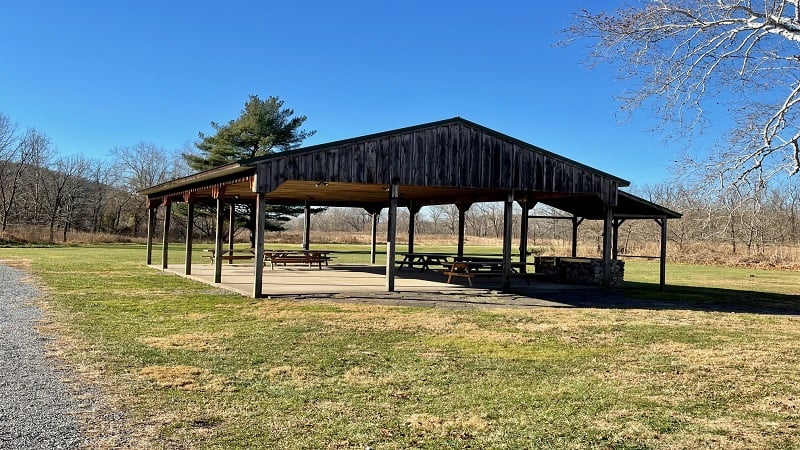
<point>195,367</point>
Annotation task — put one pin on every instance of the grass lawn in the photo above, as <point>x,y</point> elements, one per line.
<point>194,367</point>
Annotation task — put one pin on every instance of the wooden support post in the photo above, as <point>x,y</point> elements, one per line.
<point>412,224</point>
<point>615,248</point>
<point>189,233</point>
<point>165,247</point>
<point>608,231</point>
<point>373,241</point>
<point>508,227</point>
<point>575,223</point>
<point>523,234</point>
<point>261,218</point>
<point>151,229</point>
<point>231,229</point>
<point>462,212</point>
<point>218,242</point>
<point>306,226</point>
<point>391,236</point>
<point>662,267</point>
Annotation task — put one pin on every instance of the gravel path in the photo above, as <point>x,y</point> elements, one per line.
<point>36,408</point>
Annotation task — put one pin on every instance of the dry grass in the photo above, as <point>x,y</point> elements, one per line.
<point>197,369</point>
<point>189,341</point>
<point>37,235</point>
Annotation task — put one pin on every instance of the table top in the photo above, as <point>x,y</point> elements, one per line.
<point>300,252</point>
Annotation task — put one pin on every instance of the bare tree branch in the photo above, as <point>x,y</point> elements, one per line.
<point>686,58</point>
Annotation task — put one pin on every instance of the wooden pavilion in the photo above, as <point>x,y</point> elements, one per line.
<point>453,161</point>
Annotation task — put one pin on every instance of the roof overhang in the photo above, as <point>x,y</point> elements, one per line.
<point>207,177</point>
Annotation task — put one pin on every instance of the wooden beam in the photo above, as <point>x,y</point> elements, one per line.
<point>258,272</point>
<point>306,225</point>
<point>575,224</point>
<point>462,212</point>
<point>391,236</point>
<point>608,232</point>
<point>523,232</point>
<point>189,232</point>
<point>165,247</point>
<point>662,279</point>
<point>218,242</point>
<point>151,225</point>
<point>373,242</point>
<point>231,227</point>
<point>508,227</point>
<point>412,219</point>
<point>615,245</point>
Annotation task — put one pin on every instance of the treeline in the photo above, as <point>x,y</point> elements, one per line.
<point>746,218</point>
<point>743,222</point>
<point>42,189</point>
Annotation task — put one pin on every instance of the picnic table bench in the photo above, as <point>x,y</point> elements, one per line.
<point>307,257</point>
<point>424,260</point>
<point>232,255</point>
<point>470,267</point>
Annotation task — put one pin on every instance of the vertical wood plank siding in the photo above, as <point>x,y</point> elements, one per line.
<point>448,155</point>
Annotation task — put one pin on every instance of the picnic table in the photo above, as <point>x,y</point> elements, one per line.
<point>471,266</point>
<point>232,255</point>
<point>424,260</point>
<point>307,257</point>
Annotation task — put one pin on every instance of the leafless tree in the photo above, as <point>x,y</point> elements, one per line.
<point>145,164</point>
<point>12,163</point>
<point>689,57</point>
<point>101,179</point>
<point>357,219</point>
<point>61,191</point>
<point>39,155</point>
<point>445,216</point>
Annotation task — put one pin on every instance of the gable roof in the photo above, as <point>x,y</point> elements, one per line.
<point>447,161</point>
<point>414,128</point>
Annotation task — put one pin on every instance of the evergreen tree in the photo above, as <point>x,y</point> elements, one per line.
<point>264,127</point>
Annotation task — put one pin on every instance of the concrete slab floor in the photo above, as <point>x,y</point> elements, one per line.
<point>366,283</point>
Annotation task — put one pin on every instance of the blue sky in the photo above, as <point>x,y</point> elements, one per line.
<point>94,74</point>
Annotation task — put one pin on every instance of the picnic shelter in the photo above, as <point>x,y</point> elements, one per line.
<point>452,161</point>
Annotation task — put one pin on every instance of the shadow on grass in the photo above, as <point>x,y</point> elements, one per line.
<point>648,295</point>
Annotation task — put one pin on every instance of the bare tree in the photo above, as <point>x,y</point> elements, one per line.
<point>101,181</point>
<point>141,166</point>
<point>145,164</point>
<point>357,219</point>
<point>61,191</point>
<point>445,216</point>
<point>12,163</point>
<point>686,57</point>
<point>39,154</point>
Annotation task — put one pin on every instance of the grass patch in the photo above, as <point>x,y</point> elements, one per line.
<point>195,367</point>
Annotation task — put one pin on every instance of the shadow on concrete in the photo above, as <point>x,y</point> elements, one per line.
<point>635,295</point>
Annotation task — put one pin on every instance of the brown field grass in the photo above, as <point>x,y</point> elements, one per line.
<point>193,368</point>
<point>777,257</point>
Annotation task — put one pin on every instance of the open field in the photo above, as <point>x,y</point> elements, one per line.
<point>195,367</point>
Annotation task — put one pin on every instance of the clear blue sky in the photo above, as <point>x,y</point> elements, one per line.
<point>95,74</point>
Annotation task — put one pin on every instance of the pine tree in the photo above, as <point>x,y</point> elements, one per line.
<point>264,127</point>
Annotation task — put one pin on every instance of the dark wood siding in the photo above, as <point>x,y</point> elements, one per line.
<point>448,155</point>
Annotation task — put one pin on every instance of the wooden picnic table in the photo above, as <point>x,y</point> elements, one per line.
<point>232,255</point>
<point>309,257</point>
<point>424,260</point>
<point>469,267</point>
